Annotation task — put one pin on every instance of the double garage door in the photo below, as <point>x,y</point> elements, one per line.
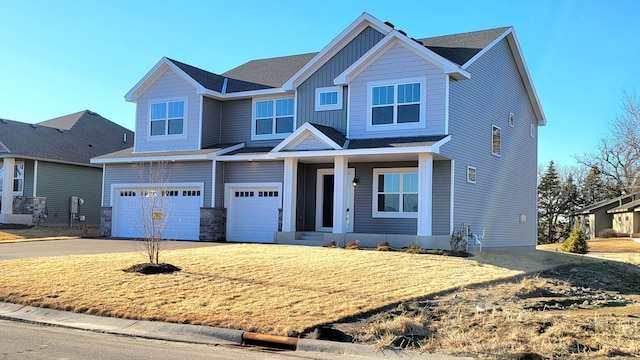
<point>177,206</point>
<point>252,212</point>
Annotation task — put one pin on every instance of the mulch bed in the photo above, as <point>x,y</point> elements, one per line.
<point>148,268</point>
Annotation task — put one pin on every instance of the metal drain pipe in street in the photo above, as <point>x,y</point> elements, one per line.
<point>281,342</point>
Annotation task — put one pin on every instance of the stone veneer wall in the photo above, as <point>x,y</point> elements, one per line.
<point>213,224</point>
<point>35,206</point>
<point>105,220</point>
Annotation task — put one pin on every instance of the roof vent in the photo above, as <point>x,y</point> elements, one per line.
<point>124,138</point>
<point>4,121</point>
<point>90,145</point>
<point>61,131</point>
<point>389,24</point>
<point>35,126</point>
<point>418,41</point>
<point>402,32</point>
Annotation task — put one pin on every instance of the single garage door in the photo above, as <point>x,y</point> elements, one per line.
<point>179,207</point>
<point>253,213</point>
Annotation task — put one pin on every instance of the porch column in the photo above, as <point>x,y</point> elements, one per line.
<point>214,167</point>
<point>8,167</point>
<point>425,193</point>
<point>339,184</point>
<point>289,191</point>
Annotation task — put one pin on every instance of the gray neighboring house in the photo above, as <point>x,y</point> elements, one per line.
<point>377,137</point>
<point>608,214</point>
<point>47,163</point>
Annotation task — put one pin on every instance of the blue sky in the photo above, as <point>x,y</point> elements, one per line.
<point>60,57</point>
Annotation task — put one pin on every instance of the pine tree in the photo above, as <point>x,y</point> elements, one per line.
<point>594,189</point>
<point>550,204</point>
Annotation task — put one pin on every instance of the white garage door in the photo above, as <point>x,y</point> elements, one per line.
<point>179,208</point>
<point>252,213</point>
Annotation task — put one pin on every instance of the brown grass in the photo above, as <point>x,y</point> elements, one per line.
<point>48,232</point>
<point>618,249</point>
<point>281,290</point>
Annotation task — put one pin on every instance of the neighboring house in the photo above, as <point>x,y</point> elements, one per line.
<point>607,214</point>
<point>377,137</point>
<point>46,164</point>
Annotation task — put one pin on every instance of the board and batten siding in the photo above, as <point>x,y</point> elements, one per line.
<point>168,87</point>
<point>58,182</point>
<point>503,199</point>
<point>211,110</point>
<point>324,78</point>
<point>253,172</point>
<point>396,63</point>
<point>175,172</point>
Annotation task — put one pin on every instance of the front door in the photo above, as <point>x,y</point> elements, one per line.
<point>324,200</point>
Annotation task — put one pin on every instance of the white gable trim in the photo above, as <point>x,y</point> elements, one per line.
<point>163,65</point>
<point>522,68</point>
<point>301,134</point>
<point>340,41</point>
<point>394,37</point>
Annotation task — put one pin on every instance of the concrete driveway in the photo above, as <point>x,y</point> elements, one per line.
<point>31,249</point>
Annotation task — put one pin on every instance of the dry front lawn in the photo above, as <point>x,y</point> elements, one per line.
<point>44,232</point>
<point>282,290</point>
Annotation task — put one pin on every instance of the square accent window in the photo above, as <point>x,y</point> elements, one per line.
<point>167,118</point>
<point>396,104</point>
<point>471,174</point>
<point>495,140</point>
<point>328,98</point>
<point>273,119</point>
<point>395,193</point>
<point>511,120</point>
<point>18,177</point>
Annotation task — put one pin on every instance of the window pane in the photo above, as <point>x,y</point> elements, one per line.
<point>264,109</point>
<point>176,109</point>
<point>157,127</point>
<point>389,182</point>
<point>382,115</point>
<point>284,125</point>
<point>389,202</point>
<point>329,98</point>
<point>158,111</point>
<point>408,113</point>
<point>284,107</point>
<point>408,93</point>
<point>382,95</point>
<point>410,203</point>
<point>19,171</point>
<point>17,185</point>
<point>264,126</point>
<point>495,140</point>
<point>410,183</point>
<point>175,126</point>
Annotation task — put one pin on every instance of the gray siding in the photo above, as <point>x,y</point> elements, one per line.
<point>324,78</point>
<point>219,185</point>
<point>169,86</point>
<point>211,110</point>
<point>27,187</point>
<point>178,172</point>
<point>58,182</point>
<point>441,211</point>
<point>235,122</point>
<point>506,185</point>
<point>253,172</point>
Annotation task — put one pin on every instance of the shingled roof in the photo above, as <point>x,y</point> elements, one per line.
<point>220,83</point>
<point>460,48</point>
<point>273,71</point>
<point>74,138</point>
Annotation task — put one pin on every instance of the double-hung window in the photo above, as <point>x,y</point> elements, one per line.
<point>273,118</point>
<point>397,104</point>
<point>395,192</point>
<point>18,177</point>
<point>167,118</point>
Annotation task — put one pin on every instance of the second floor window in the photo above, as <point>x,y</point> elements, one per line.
<point>167,118</point>
<point>395,104</point>
<point>273,117</point>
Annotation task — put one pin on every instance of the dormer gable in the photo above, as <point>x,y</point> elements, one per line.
<point>312,137</point>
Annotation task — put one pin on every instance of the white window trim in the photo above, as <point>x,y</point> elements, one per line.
<point>255,136</point>
<point>16,163</point>
<point>511,119</point>
<point>395,83</point>
<point>383,214</point>
<point>184,121</point>
<point>475,172</point>
<point>322,90</point>
<point>499,154</point>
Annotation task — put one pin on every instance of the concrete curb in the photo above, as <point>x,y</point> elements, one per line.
<point>189,333</point>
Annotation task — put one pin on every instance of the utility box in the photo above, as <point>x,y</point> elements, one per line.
<point>75,202</point>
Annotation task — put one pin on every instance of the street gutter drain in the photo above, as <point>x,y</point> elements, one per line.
<point>273,341</point>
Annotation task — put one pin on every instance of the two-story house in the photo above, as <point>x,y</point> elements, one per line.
<point>377,137</point>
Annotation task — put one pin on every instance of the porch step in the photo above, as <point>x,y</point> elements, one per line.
<point>311,236</point>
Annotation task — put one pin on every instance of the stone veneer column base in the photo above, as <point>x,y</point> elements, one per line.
<point>105,220</point>
<point>213,224</point>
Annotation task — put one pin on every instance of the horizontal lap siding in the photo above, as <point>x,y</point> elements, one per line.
<point>505,186</point>
<point>27,187</point>
<point>398,63</point>
<point>58,182</point>
<point>441,214</point>
<point>324,78</point>
<point>235,123</point>
<point>182,172</point>
<point>210,122</point>
<point>253,172</point>
<point>169,86</point>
